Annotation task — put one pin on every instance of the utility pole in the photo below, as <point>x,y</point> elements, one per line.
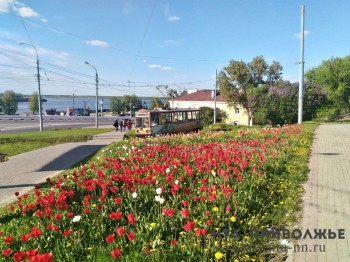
<point>216,86</point>
<point>130,110</point>
<point>301,81</point>
<point>96,91</point>
<point>39,93</point>
<point>73,103</point>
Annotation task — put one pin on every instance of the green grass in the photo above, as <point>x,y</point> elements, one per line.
<point>311,125</point>
<point>13,144</point>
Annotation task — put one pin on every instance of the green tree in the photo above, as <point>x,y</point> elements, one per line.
<point>279,103</point>
<point>131,102</point>
<point>274,73</point>
<point>208,115</point>
<point>258,69</point>
<point>172,93</point>
<point>156,102</point>
<point>116,104</point>
<point>34,103</point>
<point>238,81</point>
<point>184,92</point>
<point>333,77</point>
<point>9,103</point>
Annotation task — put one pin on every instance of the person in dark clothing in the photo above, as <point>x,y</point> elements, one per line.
<point>116,125</point>
<point>124,125</point>
<point>121,125</point>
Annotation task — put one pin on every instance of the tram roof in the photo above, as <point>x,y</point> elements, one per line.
<point>169,110</point>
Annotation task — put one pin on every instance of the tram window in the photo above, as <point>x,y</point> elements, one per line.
<point>146,122</point>
<point>162,119</point>
<point>142,122</point>
<point>184,116</point>
<point>138,122</point>
<point>179,116</point>
<point>189,115</point>
<point>154,119</point>
<point>196,114</point>
<point>175,116</point>
<point>167,118</point>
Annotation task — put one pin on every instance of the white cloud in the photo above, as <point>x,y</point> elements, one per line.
<point>4,5</point>
<point>161,67</point>
<point>97,43</point>
<point>127,7</point>
<point>169,42</point>
<point>154,66</point>
<point>27,12</point>
<point>173,18</point>
<point>44,20</point>
<point>298,35</point>
<point>23,10</point>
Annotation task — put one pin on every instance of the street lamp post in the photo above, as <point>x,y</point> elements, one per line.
<point>73,103</point>
<point>96,92</point>
<point>130,111</point>
<point>39,92</point>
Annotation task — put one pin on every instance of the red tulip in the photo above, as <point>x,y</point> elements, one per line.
<point>110,239</point>
<point>116,253</point>
<point>131,218</point>
<point>120,231</point>
<point>185,213</point>
<point>189,226</point>
<point>116,215</point>
<point>118,200</point>
<point>8,239</point>
<point>6,252</point>
<point>24,238</point>
<point>131,236</point>
<point>67,232</point>
<point>173,242</point>
<point>19,256</point>
<point>35,232</point>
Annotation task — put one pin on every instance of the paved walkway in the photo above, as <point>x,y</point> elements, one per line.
<point>21,172</point>
<point>327,197</point>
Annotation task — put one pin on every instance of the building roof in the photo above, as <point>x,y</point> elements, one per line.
<point>201,95</point>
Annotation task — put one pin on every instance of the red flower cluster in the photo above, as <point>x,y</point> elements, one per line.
<point>176,182</point>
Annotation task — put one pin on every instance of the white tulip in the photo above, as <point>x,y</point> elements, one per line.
<point>76,218</point>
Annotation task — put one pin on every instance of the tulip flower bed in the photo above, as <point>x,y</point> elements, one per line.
<point>162,198</point>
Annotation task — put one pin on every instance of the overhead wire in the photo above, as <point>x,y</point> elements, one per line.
<point>142,39</point>
<point>137,55</point>
<point>130,85</point>
<point>122,50</point>
<point>24,25</point>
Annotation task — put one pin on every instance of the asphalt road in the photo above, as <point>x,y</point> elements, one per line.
<point>19,124</point>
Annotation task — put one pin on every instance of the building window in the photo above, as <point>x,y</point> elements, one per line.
<point>236,110</point>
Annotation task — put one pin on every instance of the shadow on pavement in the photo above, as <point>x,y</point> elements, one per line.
<point>71,157</point>
<point>20,185</point>
<point>328,154</point>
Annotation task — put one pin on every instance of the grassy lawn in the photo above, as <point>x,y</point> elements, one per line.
<point>13,144</point>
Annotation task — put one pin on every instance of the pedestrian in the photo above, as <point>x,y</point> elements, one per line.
<point>124,125</point>
<point>116,125</point>
<point>128,124</point>
<point>121,125</point>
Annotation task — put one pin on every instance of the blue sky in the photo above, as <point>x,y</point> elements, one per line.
<point>136,45</point>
